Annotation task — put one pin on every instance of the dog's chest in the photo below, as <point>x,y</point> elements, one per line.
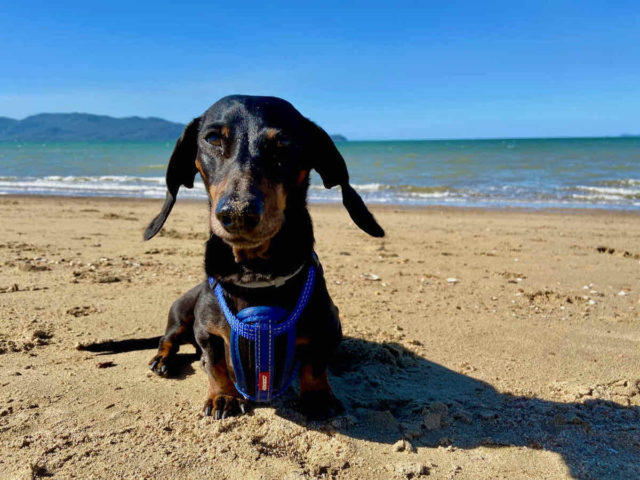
<point>262,342</point>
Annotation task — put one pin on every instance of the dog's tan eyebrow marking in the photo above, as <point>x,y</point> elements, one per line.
<point>271,133</point>
<point>225,131</point>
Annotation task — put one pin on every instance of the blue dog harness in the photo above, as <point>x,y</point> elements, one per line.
<point>260,332</point>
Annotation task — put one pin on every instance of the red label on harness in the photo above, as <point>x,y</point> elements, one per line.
<point>263,381</point>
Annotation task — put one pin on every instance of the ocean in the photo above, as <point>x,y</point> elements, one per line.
<point>529,173</point>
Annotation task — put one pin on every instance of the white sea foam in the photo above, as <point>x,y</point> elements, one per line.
<point>105,185</point>
<point>608,193</point>
<point>595,198</point>
<point>625,193</point>
<point>120,179</point>
<point>368,187</point>
<point>360,187</point>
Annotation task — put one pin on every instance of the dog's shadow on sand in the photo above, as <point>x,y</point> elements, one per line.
<point>390,393</point>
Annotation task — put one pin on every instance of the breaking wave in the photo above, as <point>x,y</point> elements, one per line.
<point>608,194</point>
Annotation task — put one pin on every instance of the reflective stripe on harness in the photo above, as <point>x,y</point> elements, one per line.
<point>256,334</point>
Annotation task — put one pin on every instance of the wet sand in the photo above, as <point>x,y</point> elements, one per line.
<point>479,344</point>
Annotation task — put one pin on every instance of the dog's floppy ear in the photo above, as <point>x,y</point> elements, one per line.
<point>327,161</point>
<point>181,171</point>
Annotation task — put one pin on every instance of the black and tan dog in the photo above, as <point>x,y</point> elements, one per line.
<point>254,155</point>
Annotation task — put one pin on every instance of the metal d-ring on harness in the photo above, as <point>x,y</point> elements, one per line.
<point>258,329</point>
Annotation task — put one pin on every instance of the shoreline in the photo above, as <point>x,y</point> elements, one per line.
<point>338,205</point>
<point>383,207</point>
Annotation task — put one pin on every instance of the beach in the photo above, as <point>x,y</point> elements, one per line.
<point>479,343</point>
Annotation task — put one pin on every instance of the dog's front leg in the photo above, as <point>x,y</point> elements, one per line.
<point>223,398</point>
<point>315,348</point>
<point>179,330</point>
<point>317,400</point>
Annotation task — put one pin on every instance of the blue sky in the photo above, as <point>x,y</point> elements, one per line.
<point>369,70</point>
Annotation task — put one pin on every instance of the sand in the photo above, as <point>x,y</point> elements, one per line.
<point>479,344</point>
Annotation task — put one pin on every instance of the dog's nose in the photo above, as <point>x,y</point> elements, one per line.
<point>239,216</point>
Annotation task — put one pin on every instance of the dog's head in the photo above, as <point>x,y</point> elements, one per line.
<point>254,155</point>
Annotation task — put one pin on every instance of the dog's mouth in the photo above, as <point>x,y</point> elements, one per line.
<point>243,242</point>
<point>246,240</point>
<point>245,249</point>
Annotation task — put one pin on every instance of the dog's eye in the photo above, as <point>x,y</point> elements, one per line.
<point>283,143</point>
<point>214,139</point>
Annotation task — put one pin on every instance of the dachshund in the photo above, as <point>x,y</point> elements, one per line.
<point>254,155</point>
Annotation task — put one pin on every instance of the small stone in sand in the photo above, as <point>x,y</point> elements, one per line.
<point>440,408</point>
<point>411,430</point>
<point>622,293</point>
<point>372,277</point>
<point>452,280</point>
<point>487,414</point>
<point>463,416</point>
<point>379,419</point>
<point>402,446</point>
<point>435,416</point>
<point>432,421</point>
<point>576,420</point>
<point>412,470</point>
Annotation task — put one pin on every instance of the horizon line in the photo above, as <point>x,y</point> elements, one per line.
<point>434,139</point>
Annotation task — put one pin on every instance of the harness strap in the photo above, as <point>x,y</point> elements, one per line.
<point>250,332</point>
<point>261,326</point>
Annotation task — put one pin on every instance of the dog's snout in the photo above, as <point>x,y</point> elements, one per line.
<point>239,216</point>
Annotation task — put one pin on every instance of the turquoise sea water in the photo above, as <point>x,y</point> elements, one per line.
<point>538,173</point>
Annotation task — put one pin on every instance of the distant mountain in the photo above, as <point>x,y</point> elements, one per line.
<point>51,127</point>
<point>6,123</point>
<point>85,127</point>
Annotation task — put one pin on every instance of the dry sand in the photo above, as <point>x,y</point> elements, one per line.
<point>527,365</point>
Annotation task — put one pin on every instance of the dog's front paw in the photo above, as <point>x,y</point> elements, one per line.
<point>320,405</point>
<point>161,363</point>
<point>224,406</point>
